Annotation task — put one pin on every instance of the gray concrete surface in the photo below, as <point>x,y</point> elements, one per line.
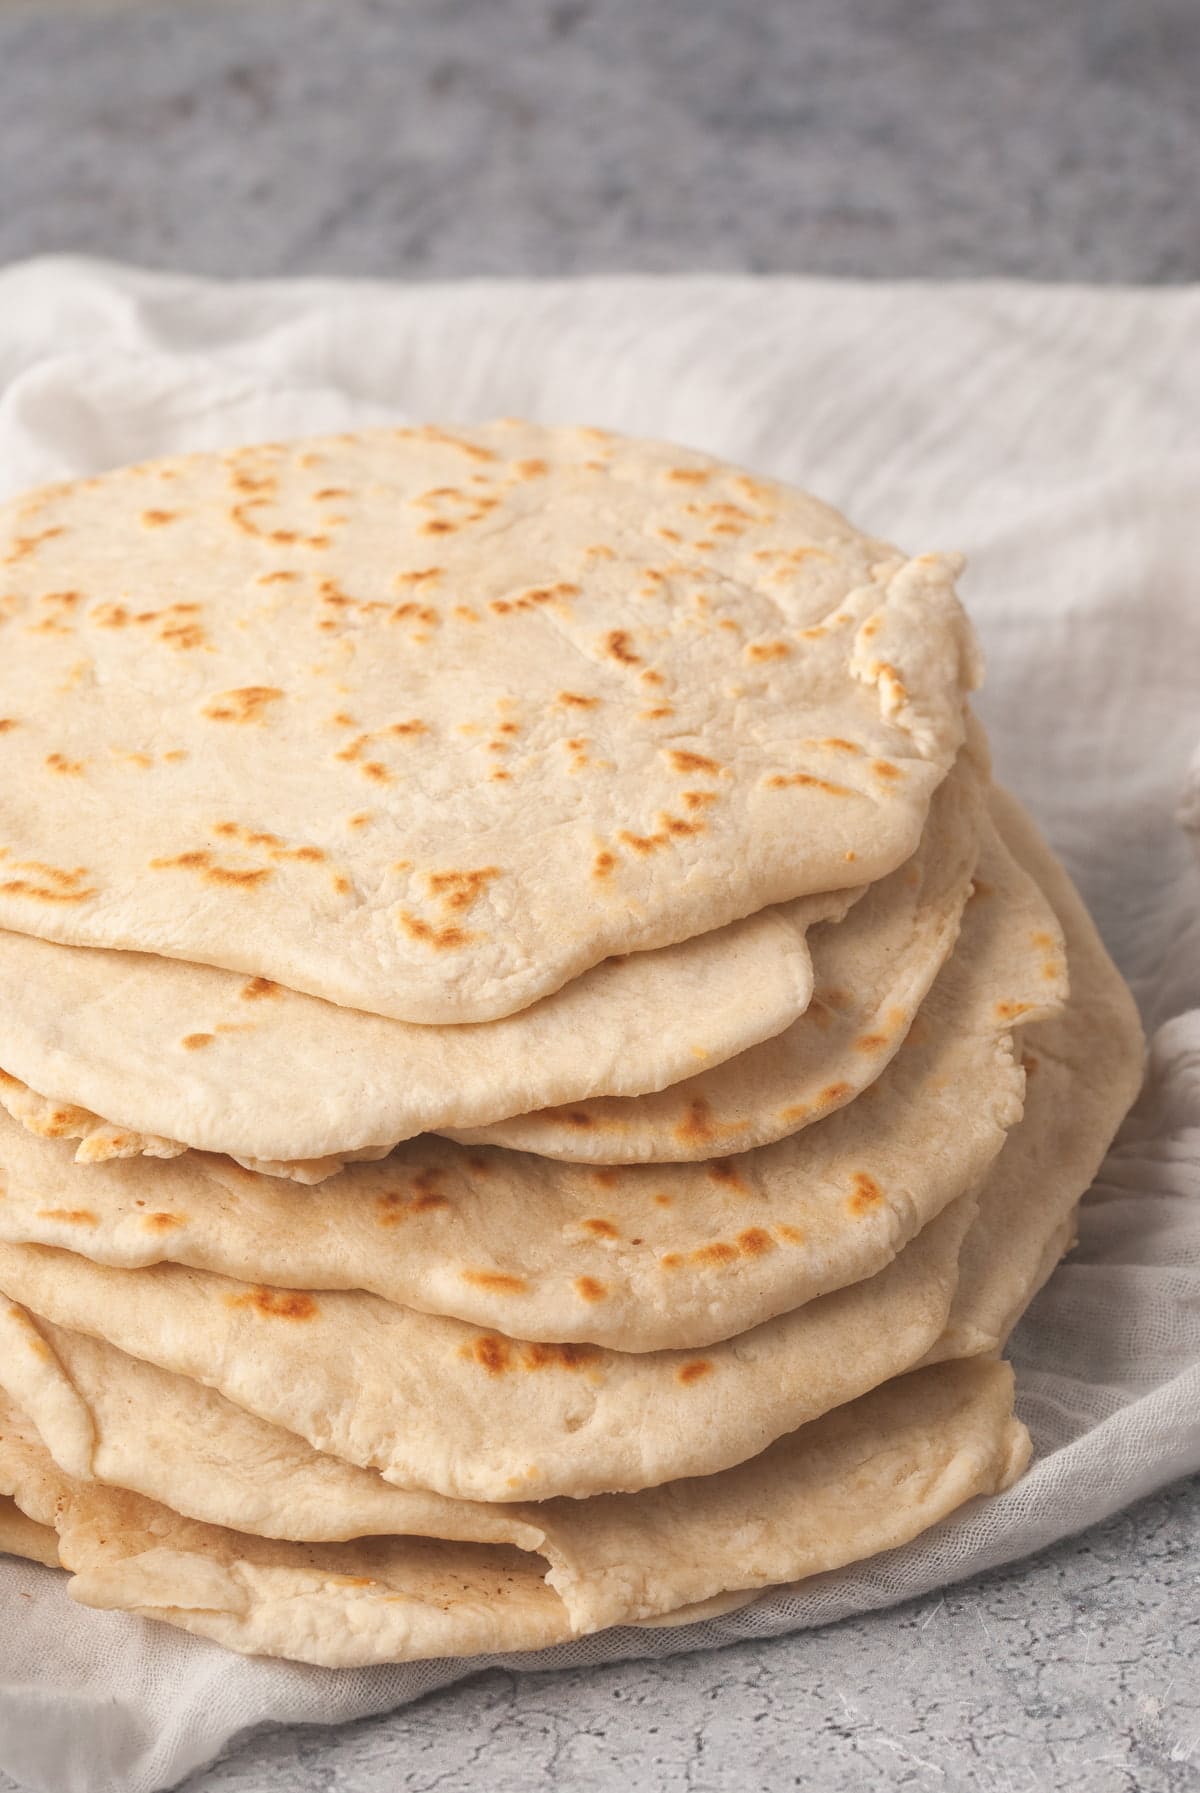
<point>876,137</point>
<point>1076,1671</point>
<point>421,137</point>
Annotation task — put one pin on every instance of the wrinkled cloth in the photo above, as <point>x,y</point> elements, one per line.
<point>1047,432</point>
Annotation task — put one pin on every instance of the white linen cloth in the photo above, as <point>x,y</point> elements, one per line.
<point>1051,434</point>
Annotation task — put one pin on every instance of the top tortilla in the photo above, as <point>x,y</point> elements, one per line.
<point>427,723</point>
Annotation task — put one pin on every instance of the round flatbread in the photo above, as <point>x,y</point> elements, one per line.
<point>428,722</point>
<point>640,1257</point>
<point>862,1480</point>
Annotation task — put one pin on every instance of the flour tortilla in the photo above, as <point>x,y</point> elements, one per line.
<point>1083,1070</point>
<point>21,1536</point>
<point>436,1405</point>
<point>866,1478</point>
<point>142,1056</point>
<point>105,1415</point>
<point>875,969</point>
<point>426,723</point>
<point>641,1258</point>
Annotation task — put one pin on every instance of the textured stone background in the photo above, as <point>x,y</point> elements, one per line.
<point>1057,139</point>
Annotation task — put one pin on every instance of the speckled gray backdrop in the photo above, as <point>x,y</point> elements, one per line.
<point>1057,139</point>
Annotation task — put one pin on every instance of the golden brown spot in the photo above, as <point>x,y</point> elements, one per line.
<point>200,861</point>
<point>194,1041</point>
<point>560,1357</point>
<point>73,1216</point>
<point>156,519</point>
<point>723,1171</point>
<point>616,645</point>
<point>697,1124</point>
<point>443,939</point>
<point>257,988</point>
<point>492,1353</point>
<point>866,1194</point>
<point>642,843</point>
<point>41,893</point>
<point>393,1208</point>
<point>684,760</point>
<point>281,1304</point>
<point>282,577</point>
<point>676,826</point>
<point>494,1282</point>
<point>376,770</point>
<point>59,763</point>
<point>717,1253</point>
<point>791,1234</point>
<point>657,713</point>
<point>162,1222</point>
<point>836,1092</point>
<point>835,744</point>
<point>25,545</point>
<point>438,526</point>
<point>871,1042</point>
<point>601,1228</point>
<point>423,613</point>
<point>576,701</point>
<point>331,492</point>
<point>248,704</point>
<point>781,781</point>
<point>421,576</point>
<point>871,629</point>
<point>885,769</point>
<point>536,469</point>
<point>694,1371</point>
<point>588,1289</point>
<point>664,1201</point>
<point>1008,1011</point>
<point>7,722</point>
<point>768,650</point>
<point>460,890</point>
<point>603,864</point>
<point>578,1117</point>
<point>755,1243</point>
<point>689,476</point>
<point>670,1260</point>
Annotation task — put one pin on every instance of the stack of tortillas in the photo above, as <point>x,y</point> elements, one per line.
<point>539,1069</point>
